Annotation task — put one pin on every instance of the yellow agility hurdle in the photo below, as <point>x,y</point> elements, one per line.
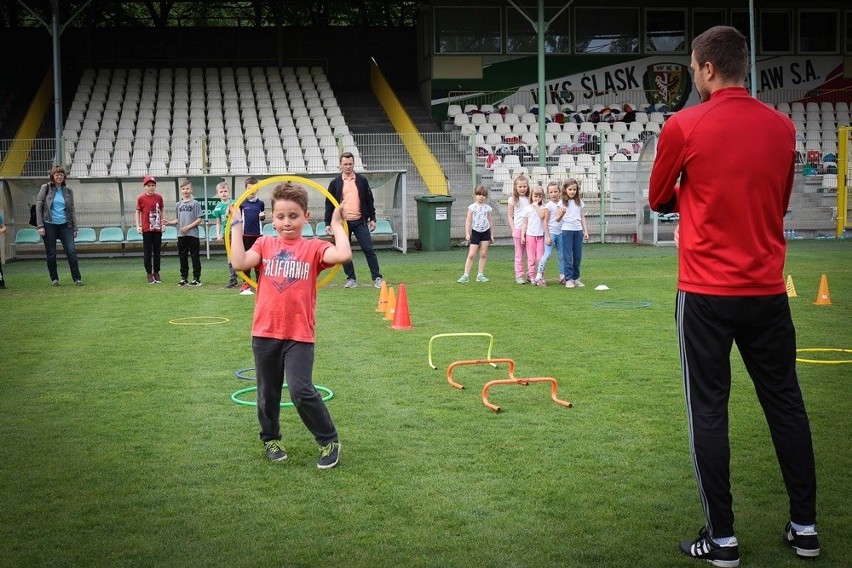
<point>434,337</point>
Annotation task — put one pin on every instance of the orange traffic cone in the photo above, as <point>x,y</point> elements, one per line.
<point>401,317</point>
<point>383,298</point>
<point>391,304</point>
<point>823,299</point>
<point>791,289</point>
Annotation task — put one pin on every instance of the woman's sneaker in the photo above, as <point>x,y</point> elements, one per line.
<point>481,278</point>
<point>464,279</point>
<point>703,548</point>
<point>805,543</point>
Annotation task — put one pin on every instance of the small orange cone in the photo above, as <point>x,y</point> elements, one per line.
<point>823,299</point>
<point>401,317</point>
<point>791,289</point>
<point>383,298</point>
<point>391,304</point>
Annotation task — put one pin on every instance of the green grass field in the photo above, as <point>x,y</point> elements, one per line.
<point>121,446</point>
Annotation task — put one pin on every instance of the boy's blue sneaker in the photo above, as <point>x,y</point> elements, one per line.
<point>329,455</point>
<point>805,543</point>
<point>274,450</point>
<point>703,548</point>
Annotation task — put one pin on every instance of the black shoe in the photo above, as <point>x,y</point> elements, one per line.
<point>703,548</point>
<point>195,283</point>
<point>274,450</point>
<point>182,283</point>
<point>2,284</point>
<point>805,543</point>
<point>232,284</point>
<point>329,455</point>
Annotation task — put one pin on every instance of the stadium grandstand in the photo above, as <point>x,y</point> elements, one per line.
<point>430,97</point>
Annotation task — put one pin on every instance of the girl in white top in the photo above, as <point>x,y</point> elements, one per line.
<point>477,230</point>
<point>519,200</point>
<point>574,232</point>
<point>555,211</point>
<point>534,233</point>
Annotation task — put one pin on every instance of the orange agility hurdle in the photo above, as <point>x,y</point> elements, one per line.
<point>491,362</point>
<point>512,380</point>
<point>523,381</point>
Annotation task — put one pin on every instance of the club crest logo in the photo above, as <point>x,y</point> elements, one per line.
<point>667,84</point>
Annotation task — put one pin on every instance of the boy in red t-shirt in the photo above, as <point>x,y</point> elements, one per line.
<point>285,315</point>
<point>150,224</point>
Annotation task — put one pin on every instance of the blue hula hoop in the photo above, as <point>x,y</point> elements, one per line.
<point>241,374</point>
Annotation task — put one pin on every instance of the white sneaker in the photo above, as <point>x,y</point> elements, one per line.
<point>578,284</point>
<point>350,283</point>
<point>378,282</point>
<point>569,283</point>
<point>520,280</point>
<point>247,292</point>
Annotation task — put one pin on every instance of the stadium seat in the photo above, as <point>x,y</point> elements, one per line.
<point>383,228</point>
<point>111,235</point>
<point>86,235</point>
<point>133,236</point>
<point>27,236</point>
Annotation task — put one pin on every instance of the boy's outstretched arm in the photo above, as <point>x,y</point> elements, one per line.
<point>341,251</point>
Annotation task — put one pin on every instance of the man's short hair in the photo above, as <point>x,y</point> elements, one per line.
<point>726,48</point>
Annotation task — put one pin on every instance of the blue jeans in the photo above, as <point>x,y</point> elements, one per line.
<point>555,243</point>
<point>572,253</point>
<point>361,230</point>
<point>63,232</point>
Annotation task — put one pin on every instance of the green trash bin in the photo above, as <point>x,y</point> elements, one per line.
<point>434,214</point>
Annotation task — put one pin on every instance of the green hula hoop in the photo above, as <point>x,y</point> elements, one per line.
<point>329,394</point>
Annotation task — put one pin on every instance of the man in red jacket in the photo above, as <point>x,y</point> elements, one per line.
<point>727,165</point>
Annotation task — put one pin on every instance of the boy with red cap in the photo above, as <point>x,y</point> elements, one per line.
<point>150,224</point>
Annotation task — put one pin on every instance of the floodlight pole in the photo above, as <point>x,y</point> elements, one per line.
<point>55,31</point>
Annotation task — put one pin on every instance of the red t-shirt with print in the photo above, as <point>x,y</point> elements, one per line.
<point>285,306</point>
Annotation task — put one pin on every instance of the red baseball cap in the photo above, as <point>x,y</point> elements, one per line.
<point>148,179</point>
